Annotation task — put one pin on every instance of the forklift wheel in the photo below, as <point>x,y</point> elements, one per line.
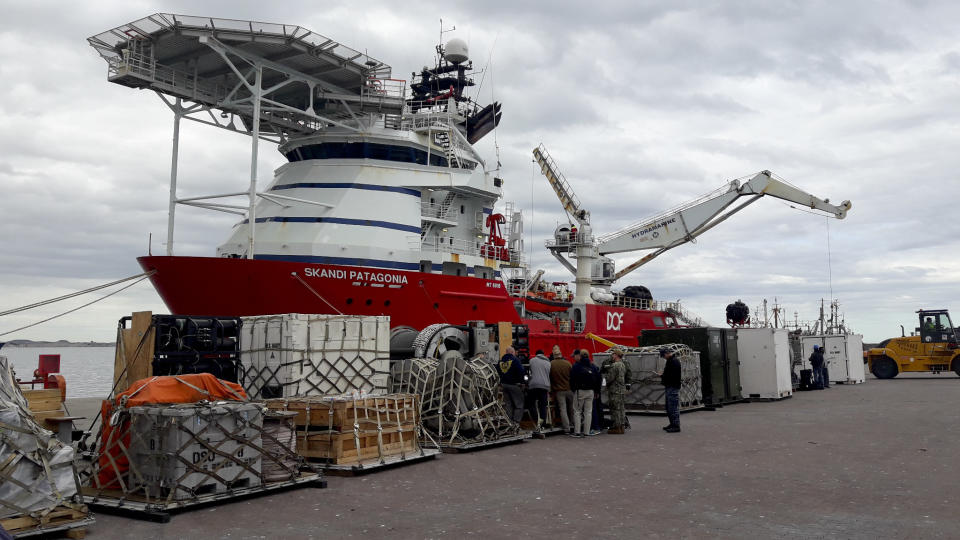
<point>956,366</point>
<point>885,368</point>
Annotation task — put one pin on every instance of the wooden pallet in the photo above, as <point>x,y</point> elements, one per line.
<point>460,448</point>
<point>61,519</point>
<point>341,413</point>
<point>375,465</point>
<point>758,399</point>
<point>342,448</point>
<point>159,509</point>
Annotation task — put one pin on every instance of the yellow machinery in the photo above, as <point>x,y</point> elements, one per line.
<point>932,348</point>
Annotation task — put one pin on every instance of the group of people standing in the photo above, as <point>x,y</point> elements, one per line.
<point>576,386</point>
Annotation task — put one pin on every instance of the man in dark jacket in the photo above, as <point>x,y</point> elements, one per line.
<point>816,363</point>
<point>511,379</point>
<point>596,423</point>
<point>583,377</point>
<point>671,380</point>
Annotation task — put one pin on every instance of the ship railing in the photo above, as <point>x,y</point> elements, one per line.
<point>673,308</point>
<point>389,88</point>
<point>132,63</point>
<point>435,210</point>
<point>507,257</point>
<point>441,244</point>
<point>683,315</point>
<point>424,121</point>
<point>570,241</point>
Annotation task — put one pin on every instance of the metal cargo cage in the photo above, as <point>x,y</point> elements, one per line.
<point>159,455</point>
<point>646,394</point>
<point>188,450</point>
<point>719,367</point>
<point>460,401</point>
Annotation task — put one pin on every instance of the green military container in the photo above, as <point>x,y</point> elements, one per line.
<point>719,367</point>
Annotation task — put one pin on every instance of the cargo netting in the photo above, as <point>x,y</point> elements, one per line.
<point>646,393</point>
<point>174,454</point>
<point>354,429</point>
<point>38,480</point>
<point>460,400</point>
<point>315,355</point>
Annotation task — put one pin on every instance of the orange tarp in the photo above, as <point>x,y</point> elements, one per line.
<point>181,389</point>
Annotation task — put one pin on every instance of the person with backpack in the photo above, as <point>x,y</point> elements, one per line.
<point>816,363</point>
<point>511,380</point>
<point>583,378</point>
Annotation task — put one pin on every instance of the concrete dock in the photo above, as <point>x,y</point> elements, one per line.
<point>876,460</point>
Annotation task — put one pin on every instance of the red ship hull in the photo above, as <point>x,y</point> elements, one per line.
<point>242,287</point>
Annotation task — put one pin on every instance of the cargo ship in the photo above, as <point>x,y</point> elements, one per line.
<point>384,206</point>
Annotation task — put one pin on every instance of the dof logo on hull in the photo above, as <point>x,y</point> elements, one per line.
<point>614,321</point>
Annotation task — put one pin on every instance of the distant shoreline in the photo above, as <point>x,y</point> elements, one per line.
<point>52,344</point>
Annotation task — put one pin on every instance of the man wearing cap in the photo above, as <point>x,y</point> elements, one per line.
<point>511,379</point>
<point>816,362</point>
<point>671,379</point>
<point>615,374</point>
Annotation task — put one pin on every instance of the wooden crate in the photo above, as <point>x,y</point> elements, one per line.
<point>44,400</point>
<point>342,447</point>
<point>340,413</point>
<point>45,404</point>
<point>62,517</point>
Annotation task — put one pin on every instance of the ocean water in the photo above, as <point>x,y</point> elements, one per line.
<point>88,370</point>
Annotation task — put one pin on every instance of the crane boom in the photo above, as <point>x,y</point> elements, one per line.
<point>679,226</point>
<point>568,199</point>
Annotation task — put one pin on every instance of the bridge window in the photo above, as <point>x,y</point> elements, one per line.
<point>365,150</point>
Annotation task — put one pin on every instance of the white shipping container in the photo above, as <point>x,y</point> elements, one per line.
<point>764,355</point>
<point>313,355</point>
<point>195,449</point>
<point>842,354</point>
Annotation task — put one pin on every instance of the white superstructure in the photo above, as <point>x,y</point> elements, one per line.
<point>381,173</point>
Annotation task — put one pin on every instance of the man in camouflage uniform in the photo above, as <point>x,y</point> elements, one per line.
<point>616,376</point>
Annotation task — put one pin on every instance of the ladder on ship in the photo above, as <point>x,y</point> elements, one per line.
<point>686,316</point>
<point>444,139</point>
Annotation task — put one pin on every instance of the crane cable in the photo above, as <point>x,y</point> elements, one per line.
<point>141,277</point>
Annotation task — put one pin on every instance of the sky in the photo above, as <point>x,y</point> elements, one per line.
<point>644,105</point>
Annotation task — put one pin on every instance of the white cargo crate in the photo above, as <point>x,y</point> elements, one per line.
<point>313,355</point>
<point>188,450</point>
<point>856,373</point>
<point>764,355</point>
<point>842,354</point>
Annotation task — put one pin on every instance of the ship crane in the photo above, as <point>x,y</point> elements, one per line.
<point>662,232</point>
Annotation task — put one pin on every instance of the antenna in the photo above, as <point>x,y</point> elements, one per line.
<point>442,31</point>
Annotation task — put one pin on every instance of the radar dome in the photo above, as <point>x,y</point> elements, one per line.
<point>456,51</point>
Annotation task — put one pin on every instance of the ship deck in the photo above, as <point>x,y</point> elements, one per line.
<point>869,461</point>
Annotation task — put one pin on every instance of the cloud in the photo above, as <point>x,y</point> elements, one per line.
<point>644,105</point>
